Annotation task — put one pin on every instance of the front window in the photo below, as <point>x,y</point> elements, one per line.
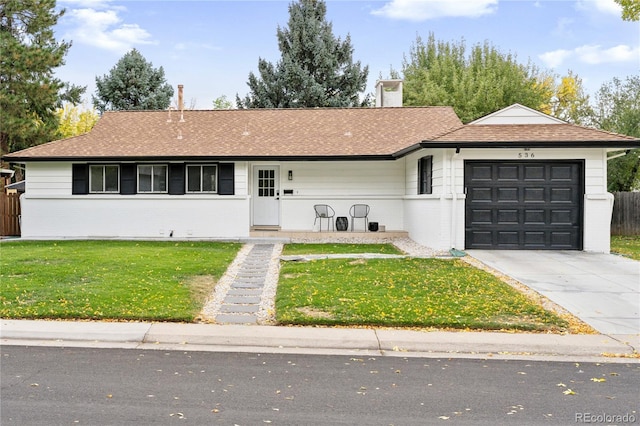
<point>201,178</point>
<point>152,178</point>
<point>104,178</point>
<point>425,175</point>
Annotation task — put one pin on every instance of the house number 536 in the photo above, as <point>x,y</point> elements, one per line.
<point>526,155</point>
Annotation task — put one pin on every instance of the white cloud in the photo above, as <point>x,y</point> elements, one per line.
<point>104,28</point>
<point>422,10</point>
<point>592,54</point>
<point>555,58</point>
<point>602,6</point>
<point>595,54</point>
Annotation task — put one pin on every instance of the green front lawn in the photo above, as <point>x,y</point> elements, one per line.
<point>626,245</point>
<point>169,281</point>
<point>119,280</point>
<point>406,293</point>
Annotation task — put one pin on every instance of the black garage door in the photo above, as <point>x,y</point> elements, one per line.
<point>523,205</point>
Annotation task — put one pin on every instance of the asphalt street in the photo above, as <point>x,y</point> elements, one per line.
<point>64,386</point>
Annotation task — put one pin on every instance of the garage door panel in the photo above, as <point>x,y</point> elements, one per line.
<point>481,217</point>
<point>508,216</point>
<point>563,240</point>
<point>535,239</point>
<point>561,173</point>
<point>534,195</point>
<point>507,195</point>
<point>524,205</point>
<point>482,173</point>
<point>508,173</point>
<point>508,238</point>
<point>482,239</point>
<point>482,194</point>
<point>562,195</point>
<point>563,217</point>
<point>534,173</point>
<point>535,217</point>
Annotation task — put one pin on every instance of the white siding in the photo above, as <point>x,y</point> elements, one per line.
<point>517,114</point>
<point>389,187</point>
<point>380,184</point>
<point>48,179</point>
<point>344,179</point>
<point>49,210</point>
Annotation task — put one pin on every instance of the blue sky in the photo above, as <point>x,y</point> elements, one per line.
<point>211,46</point>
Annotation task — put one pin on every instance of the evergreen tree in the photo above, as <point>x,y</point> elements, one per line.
<point>133,84</point>
<point>29,92</point>
<point>486,80</point>
<point>316,68</point>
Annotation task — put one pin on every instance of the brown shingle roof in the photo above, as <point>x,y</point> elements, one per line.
<point>252,133</point>
<point>517,134</point>
<point>303,133</point>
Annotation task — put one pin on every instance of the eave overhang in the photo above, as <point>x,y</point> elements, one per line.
<point>204,158</point>
<point>530,144</point>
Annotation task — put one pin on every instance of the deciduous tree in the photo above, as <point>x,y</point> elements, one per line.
<point>29,91</point>
<point>630,9</point>
<point>316,68</point>
<point>133,84</point>
<point>569,101</point>
<point>617,109</point>
<point>74,120</point>
<point>474,84</point>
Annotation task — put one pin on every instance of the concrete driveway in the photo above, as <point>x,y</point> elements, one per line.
<point>601,289</point>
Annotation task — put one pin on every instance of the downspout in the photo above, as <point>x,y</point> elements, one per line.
<point>454,198</point>
<point>622,154</point>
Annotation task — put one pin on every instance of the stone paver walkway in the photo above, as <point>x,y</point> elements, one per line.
<point>245,294</point>
<point>240,300</point>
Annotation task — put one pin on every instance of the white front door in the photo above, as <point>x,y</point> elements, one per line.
<point>266,196</point>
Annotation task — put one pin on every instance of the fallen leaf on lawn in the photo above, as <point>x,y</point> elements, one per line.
<point>569,392</point>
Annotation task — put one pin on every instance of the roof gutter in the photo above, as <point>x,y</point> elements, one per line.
<point>383,157</point>
<point>530,144</point>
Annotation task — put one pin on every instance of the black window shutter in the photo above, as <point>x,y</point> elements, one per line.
<point>128,181</point>
<point>80,179</point>
<point>176,179</point>
<point>226,180</point>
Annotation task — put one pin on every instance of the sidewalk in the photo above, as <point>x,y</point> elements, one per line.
<point>308,340</point>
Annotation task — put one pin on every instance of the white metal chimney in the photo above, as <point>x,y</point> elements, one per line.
<point>389,93</point>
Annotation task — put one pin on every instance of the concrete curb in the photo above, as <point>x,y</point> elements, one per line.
<point>379,342</point>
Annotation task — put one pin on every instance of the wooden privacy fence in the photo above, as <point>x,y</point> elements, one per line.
<point>9,214</point>
<point>626,213</point>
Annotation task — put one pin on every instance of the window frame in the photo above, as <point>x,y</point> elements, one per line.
<point>104,178</point>
<point>166,179</point>
<point>201,174</point>
<point>425,175</point>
